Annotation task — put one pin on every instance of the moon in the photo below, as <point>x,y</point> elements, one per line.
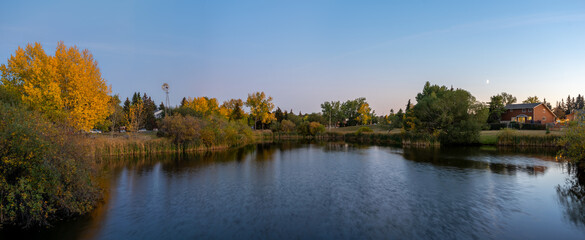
<point>487,81</point>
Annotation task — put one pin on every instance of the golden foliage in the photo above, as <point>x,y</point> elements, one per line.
<point>203,105</point>
<point>67,86</point>
<point>261,107</point>
<point>135,116</point>
<point>364,114</point>
<point>234,108</point>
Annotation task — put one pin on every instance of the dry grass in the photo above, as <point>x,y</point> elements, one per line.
<point>524,133</point>
<point>375,128</point>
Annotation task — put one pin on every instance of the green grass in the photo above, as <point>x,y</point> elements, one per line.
<point>488,139</point>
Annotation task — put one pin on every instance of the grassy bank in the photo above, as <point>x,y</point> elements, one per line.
<point>381,134</point>
<point>140,143</point>
<point>530,138</point>
<point>148,143</point>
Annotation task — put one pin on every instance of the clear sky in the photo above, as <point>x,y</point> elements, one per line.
<point>303,53</point>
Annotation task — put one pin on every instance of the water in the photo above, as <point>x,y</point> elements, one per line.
<point>335,191</point>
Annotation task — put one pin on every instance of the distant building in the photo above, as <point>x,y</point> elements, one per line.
<point>571,116</point>
<point>528,113</point>
<point>158,114</point>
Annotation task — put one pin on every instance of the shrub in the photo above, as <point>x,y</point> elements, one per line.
<point>179,129</point>
<point>573,141</point>
<point>44,171</point>
<point>287,126</point>
<point>533,126</point>
<point>315,128</point>
<point>363,130</point>
<point>211,131</point>
<point>497,126</point>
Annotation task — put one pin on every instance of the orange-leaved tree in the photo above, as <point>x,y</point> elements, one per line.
<point>65,87</point>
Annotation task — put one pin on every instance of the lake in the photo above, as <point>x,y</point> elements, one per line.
<point>335,191</point>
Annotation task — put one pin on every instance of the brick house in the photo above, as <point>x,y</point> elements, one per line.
<point>528,113</point>
<point>571,116</point>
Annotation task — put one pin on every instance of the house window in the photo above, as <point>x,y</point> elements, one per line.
<point>529,118</point>
<point>523,109</point>
<point>543,118</point>
<point>530,110</point>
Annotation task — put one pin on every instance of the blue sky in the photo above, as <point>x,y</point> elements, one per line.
<point>306,52</point>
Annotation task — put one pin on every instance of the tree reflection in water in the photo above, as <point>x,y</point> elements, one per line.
<point>571,195</point>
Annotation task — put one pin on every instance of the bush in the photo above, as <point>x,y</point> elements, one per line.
<point>44,171</point>
<point>211,131</point>
<point>533,126</point>
<point>573,141</point>
<point>315,128</point>
<point>497,126</point>
<point>363,130</point>
<point>287,126</point>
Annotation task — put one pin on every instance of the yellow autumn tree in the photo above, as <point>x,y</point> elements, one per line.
<point>32,74</point>
<point>261,107</point>
<point>364,114</point>
<point>234,108</point>
<point>135,116</point>
<point>67,86</point>
<point>85,93</point>
<point>203,105</point>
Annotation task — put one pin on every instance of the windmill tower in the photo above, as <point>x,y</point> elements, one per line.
<point>165,87</point>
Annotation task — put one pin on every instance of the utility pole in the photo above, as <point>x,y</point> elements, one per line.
<point>165,88</point>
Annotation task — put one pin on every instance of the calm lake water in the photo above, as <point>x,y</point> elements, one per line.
<point>335,191</point>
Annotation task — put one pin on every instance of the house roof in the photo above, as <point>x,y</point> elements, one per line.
<point>522,106</point>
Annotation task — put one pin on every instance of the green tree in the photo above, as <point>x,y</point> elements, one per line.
<point>508,98</point>
<point>496,109</point>
<point>332,111</point>
<point>148,111</point>
<point>350,110</point>
<point>452,115</point>
<point>531,100</point>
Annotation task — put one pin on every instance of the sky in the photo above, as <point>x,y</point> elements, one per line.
<point>303,53</point>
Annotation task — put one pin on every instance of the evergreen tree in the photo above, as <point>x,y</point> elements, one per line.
<point>127,106</point>
<point>278,114</point>
<point>547,104</point>
<point>569,105</point>
<point>183,102</point>
<point>136,98</point>
<point>149,109</point>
